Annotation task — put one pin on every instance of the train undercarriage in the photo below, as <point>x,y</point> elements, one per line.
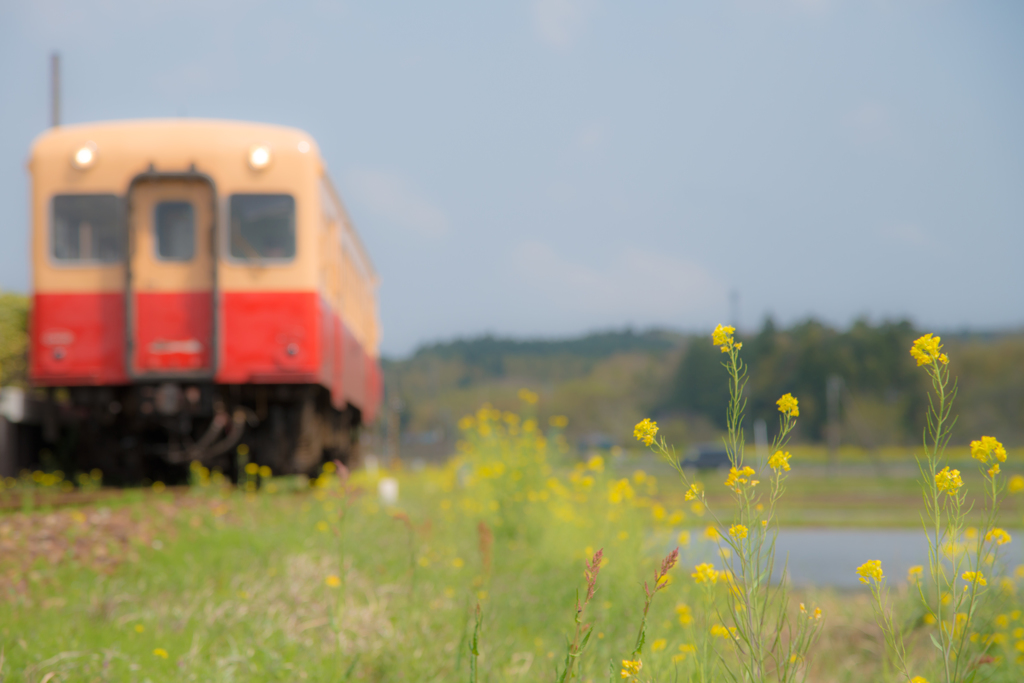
<point>156,431</point>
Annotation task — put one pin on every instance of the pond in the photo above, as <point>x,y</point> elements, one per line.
<point>830,557</point>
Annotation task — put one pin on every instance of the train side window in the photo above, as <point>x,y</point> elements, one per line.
<point>262,226</point>
<point>175,224</point>
<point>87,227</point>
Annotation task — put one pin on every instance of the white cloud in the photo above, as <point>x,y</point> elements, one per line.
<point>638,286</point>
<point>558,22</point>
<point>394,199</point>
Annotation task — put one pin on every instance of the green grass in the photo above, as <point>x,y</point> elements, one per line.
<point>234,587</point>
<point>241,595</point>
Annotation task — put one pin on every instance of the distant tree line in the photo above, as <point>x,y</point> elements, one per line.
<point>488,357</point>
<point>882,395</point>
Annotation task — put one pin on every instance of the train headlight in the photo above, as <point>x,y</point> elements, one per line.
<point>259,157</point>
<point>85,156</point>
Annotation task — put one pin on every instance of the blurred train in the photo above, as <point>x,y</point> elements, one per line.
<point>197,286</point>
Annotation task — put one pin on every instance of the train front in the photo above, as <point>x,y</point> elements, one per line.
<point>182,303</point>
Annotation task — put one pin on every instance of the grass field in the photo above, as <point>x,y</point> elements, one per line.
<point>326,583</point>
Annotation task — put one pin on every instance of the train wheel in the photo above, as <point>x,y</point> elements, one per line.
<point>309,447</point>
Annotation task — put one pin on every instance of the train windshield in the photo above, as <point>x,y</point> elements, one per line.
<point>262,226</point>
<point>87,227</point>
<point>175,231</point>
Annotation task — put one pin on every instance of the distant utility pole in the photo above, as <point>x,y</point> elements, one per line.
<point>55,89</point>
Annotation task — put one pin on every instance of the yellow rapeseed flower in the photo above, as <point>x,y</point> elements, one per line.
<point>693,493</point>
<point>705,573</point>
<point>872,569</point>
<point>645,431</point>
<point>1016,484</point>
<point>739,476</point>
<point>631,667</point>
<point>722,338</point>
<point>738,531</point>
<point>927,349</point>
<point>788,405</point>
<point>528,397</point>
<point>684,650</point>
<point>720,631</point>
<point>780,461</point>
<point>817,614</point>
<point>974,577</point>
<point>332,581</point>
<point>914,573</point>
<point>160,652</point>
<point>620,491</point>
<point>999,536</point>
<point>988,448</point>
<point>685,614</point>
<point>948,480</point>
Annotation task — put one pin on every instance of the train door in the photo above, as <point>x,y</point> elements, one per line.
<point>171,278</point>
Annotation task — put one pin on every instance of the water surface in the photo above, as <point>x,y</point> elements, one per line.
<point>830,557</point>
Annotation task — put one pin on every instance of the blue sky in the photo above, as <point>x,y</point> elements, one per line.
<point>549,167</point>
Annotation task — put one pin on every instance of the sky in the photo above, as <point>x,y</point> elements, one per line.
<point>545,168</point>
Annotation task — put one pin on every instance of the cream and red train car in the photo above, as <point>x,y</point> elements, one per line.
<point>197,285</point>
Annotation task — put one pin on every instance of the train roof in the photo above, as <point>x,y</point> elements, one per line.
<point>156,135</point>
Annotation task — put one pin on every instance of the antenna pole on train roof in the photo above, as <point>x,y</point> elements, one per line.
<point>55,89</point>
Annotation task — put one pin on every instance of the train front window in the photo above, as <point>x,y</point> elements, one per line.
<point>262,226</point>
<point>175,224</point>
<point>87,227</point>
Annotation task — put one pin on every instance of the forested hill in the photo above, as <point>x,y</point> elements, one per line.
<point>491,355</point>
<point>605,382</point>
<point>881,394</point>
